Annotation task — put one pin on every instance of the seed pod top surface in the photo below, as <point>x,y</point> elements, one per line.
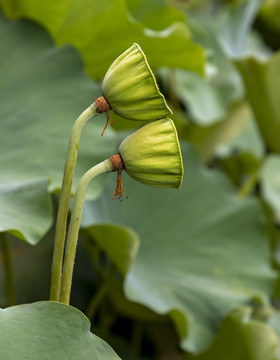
<point>130,88</point>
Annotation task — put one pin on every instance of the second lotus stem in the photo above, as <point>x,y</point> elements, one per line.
<point>74,226</point>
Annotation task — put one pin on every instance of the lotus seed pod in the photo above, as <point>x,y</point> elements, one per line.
<point>152,155</point>
<point>130,88</point>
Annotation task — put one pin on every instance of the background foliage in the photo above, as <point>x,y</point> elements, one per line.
<point>166,274</point>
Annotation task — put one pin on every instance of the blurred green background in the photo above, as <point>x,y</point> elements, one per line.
<point>167,274</point>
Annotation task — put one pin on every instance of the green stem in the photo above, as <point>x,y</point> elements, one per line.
<point>137,338</point>
<point>64,200</point>
<point>74,226</point>
<point>7,259</point>
<point>173,86</point>
<point>97,298</point>
<point>99,295</point>
<point>252,180</point>
<point>94,252</point>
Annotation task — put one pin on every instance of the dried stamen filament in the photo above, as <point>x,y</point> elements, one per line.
<point>119,193</point>
<point>109,120</point>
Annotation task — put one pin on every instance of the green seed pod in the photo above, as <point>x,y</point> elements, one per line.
<point>152,155</point>
<point>130,88</point>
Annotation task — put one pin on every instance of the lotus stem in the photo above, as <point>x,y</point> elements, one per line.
<point>63,207</point>
<point>74,226</point>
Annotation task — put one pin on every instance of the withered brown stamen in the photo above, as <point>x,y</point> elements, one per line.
<point>109,120</point>
<point>119,193</point>
<point>118,166</point>
<point>103,106</point>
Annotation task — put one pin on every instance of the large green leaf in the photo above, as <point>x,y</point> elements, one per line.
<point>156,14</point>
<point>209,98</point>
<point>48,330</point>
<point>203,251</point>
<point>43,89</point>
<point>25,208</point>
<point>243,339</point>
<point>103,29</point>
<point>260,72</point>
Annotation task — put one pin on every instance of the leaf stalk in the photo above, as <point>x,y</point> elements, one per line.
<point>7,259</point>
